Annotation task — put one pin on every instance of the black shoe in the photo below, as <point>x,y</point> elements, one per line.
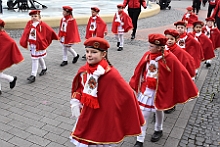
<point>120,49</point>
<point>170,110</point>
<point>132,37</point>
<point>138,144</point>
<point>0,92</point>
<point>64,63</point>
<point>208,65</point>
<point>13,83</point>
<point>156,136</point>
<point>43,72</point>
<point>118,43</point>
<point>75,59</point>
<point>84,56</point>
<point>31,79</point>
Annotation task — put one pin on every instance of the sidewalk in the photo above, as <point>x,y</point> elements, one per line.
<point>38,114</point>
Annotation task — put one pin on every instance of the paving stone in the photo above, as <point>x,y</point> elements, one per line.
<point>36,131</point>
<point>20,142</point>
<point>56,138</point>
<point>6,144</point>
<point>19,133</point>
<point>38,140</point>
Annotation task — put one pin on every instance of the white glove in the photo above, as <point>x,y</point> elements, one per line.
<point>75,107</point>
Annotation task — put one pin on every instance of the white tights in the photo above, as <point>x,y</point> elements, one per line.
<point>35,65</point>
<point>159,116</point>
<point>70,49</point>
<point>6,77</point>
<point>120,38</point>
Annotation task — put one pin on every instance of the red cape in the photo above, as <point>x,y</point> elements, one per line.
<point>101,27</point>
<point>194,48</point>
<point>185,58</point>
<point>127,23</point>
<point>214,36</point>
<point>45,35</point>
<point>72,34</point>
<point>119,114</point>
<point>192,18</point>
<point>9,51</point>
<point>173,87</point>
<point>207,46</point>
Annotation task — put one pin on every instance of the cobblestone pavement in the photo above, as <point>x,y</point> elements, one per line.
<point>38,114</point>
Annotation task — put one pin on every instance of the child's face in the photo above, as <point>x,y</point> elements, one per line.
<point>171,40</point>
<point>94,56</point>
<point>197,28</point>
<point>35,17</point>
<point>189,11</point>
<point>94,13</point>
<point>210,23</point>
<point>154,48</point>
<point>65,13</point>
<point>120,9</point>
<point>181,29</point>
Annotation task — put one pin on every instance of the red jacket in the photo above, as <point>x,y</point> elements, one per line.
<point>135,3</point>
<point>174,86</point>
<point>216,11</point>
<point>9,51</point>
<point>45,35</point>
<point>213,2</point>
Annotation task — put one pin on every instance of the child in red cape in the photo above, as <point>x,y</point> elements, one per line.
<point>189,44</point>
<point>104,99</point>
<point>9,55</point>
<point>121,24</point>
<point>189,17</point>
<point>37,36</point>
<point>160,81</point>
<point>212,32</point>
<point>68,34</point>
<point>96,26</point>
<point>206,43</point>
<point>185,58</point>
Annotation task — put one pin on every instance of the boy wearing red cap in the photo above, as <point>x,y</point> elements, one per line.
<point>37,36</point>
<point>9,55</point>
<point>121,24</point>
<point>154,81</point>
<point>212,32</point>
<point>100,110</point>
<point>189,44</point>
<point>206,43</point>
<point>189,17</point>
<point>96,26</point>
<point>68,34</point>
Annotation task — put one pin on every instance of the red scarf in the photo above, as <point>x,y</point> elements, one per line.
<point>89,95</point>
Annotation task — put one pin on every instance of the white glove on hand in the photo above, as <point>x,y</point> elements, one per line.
<point>75,107</point>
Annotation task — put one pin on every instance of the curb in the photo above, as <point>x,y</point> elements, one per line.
<point>81,20</point>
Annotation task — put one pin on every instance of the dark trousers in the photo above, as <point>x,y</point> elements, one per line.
<point>217,20</point>
<point>1,11</point>
<point>210,8</point>
<point>196,6</point>
<point>134,14</point>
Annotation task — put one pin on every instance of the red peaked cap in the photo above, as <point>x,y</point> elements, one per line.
<point>189,8</point>
<point>182,23</point>
<point>210,19</point>
<point>198,22</point>
<point>67,8</point>
<point>157,39</point>
<point>96,9</point>
<point>33,12</point>
<point>97,43</point>
<point>172,32</point>
<point>120,6</point>
<point>2,23</point>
